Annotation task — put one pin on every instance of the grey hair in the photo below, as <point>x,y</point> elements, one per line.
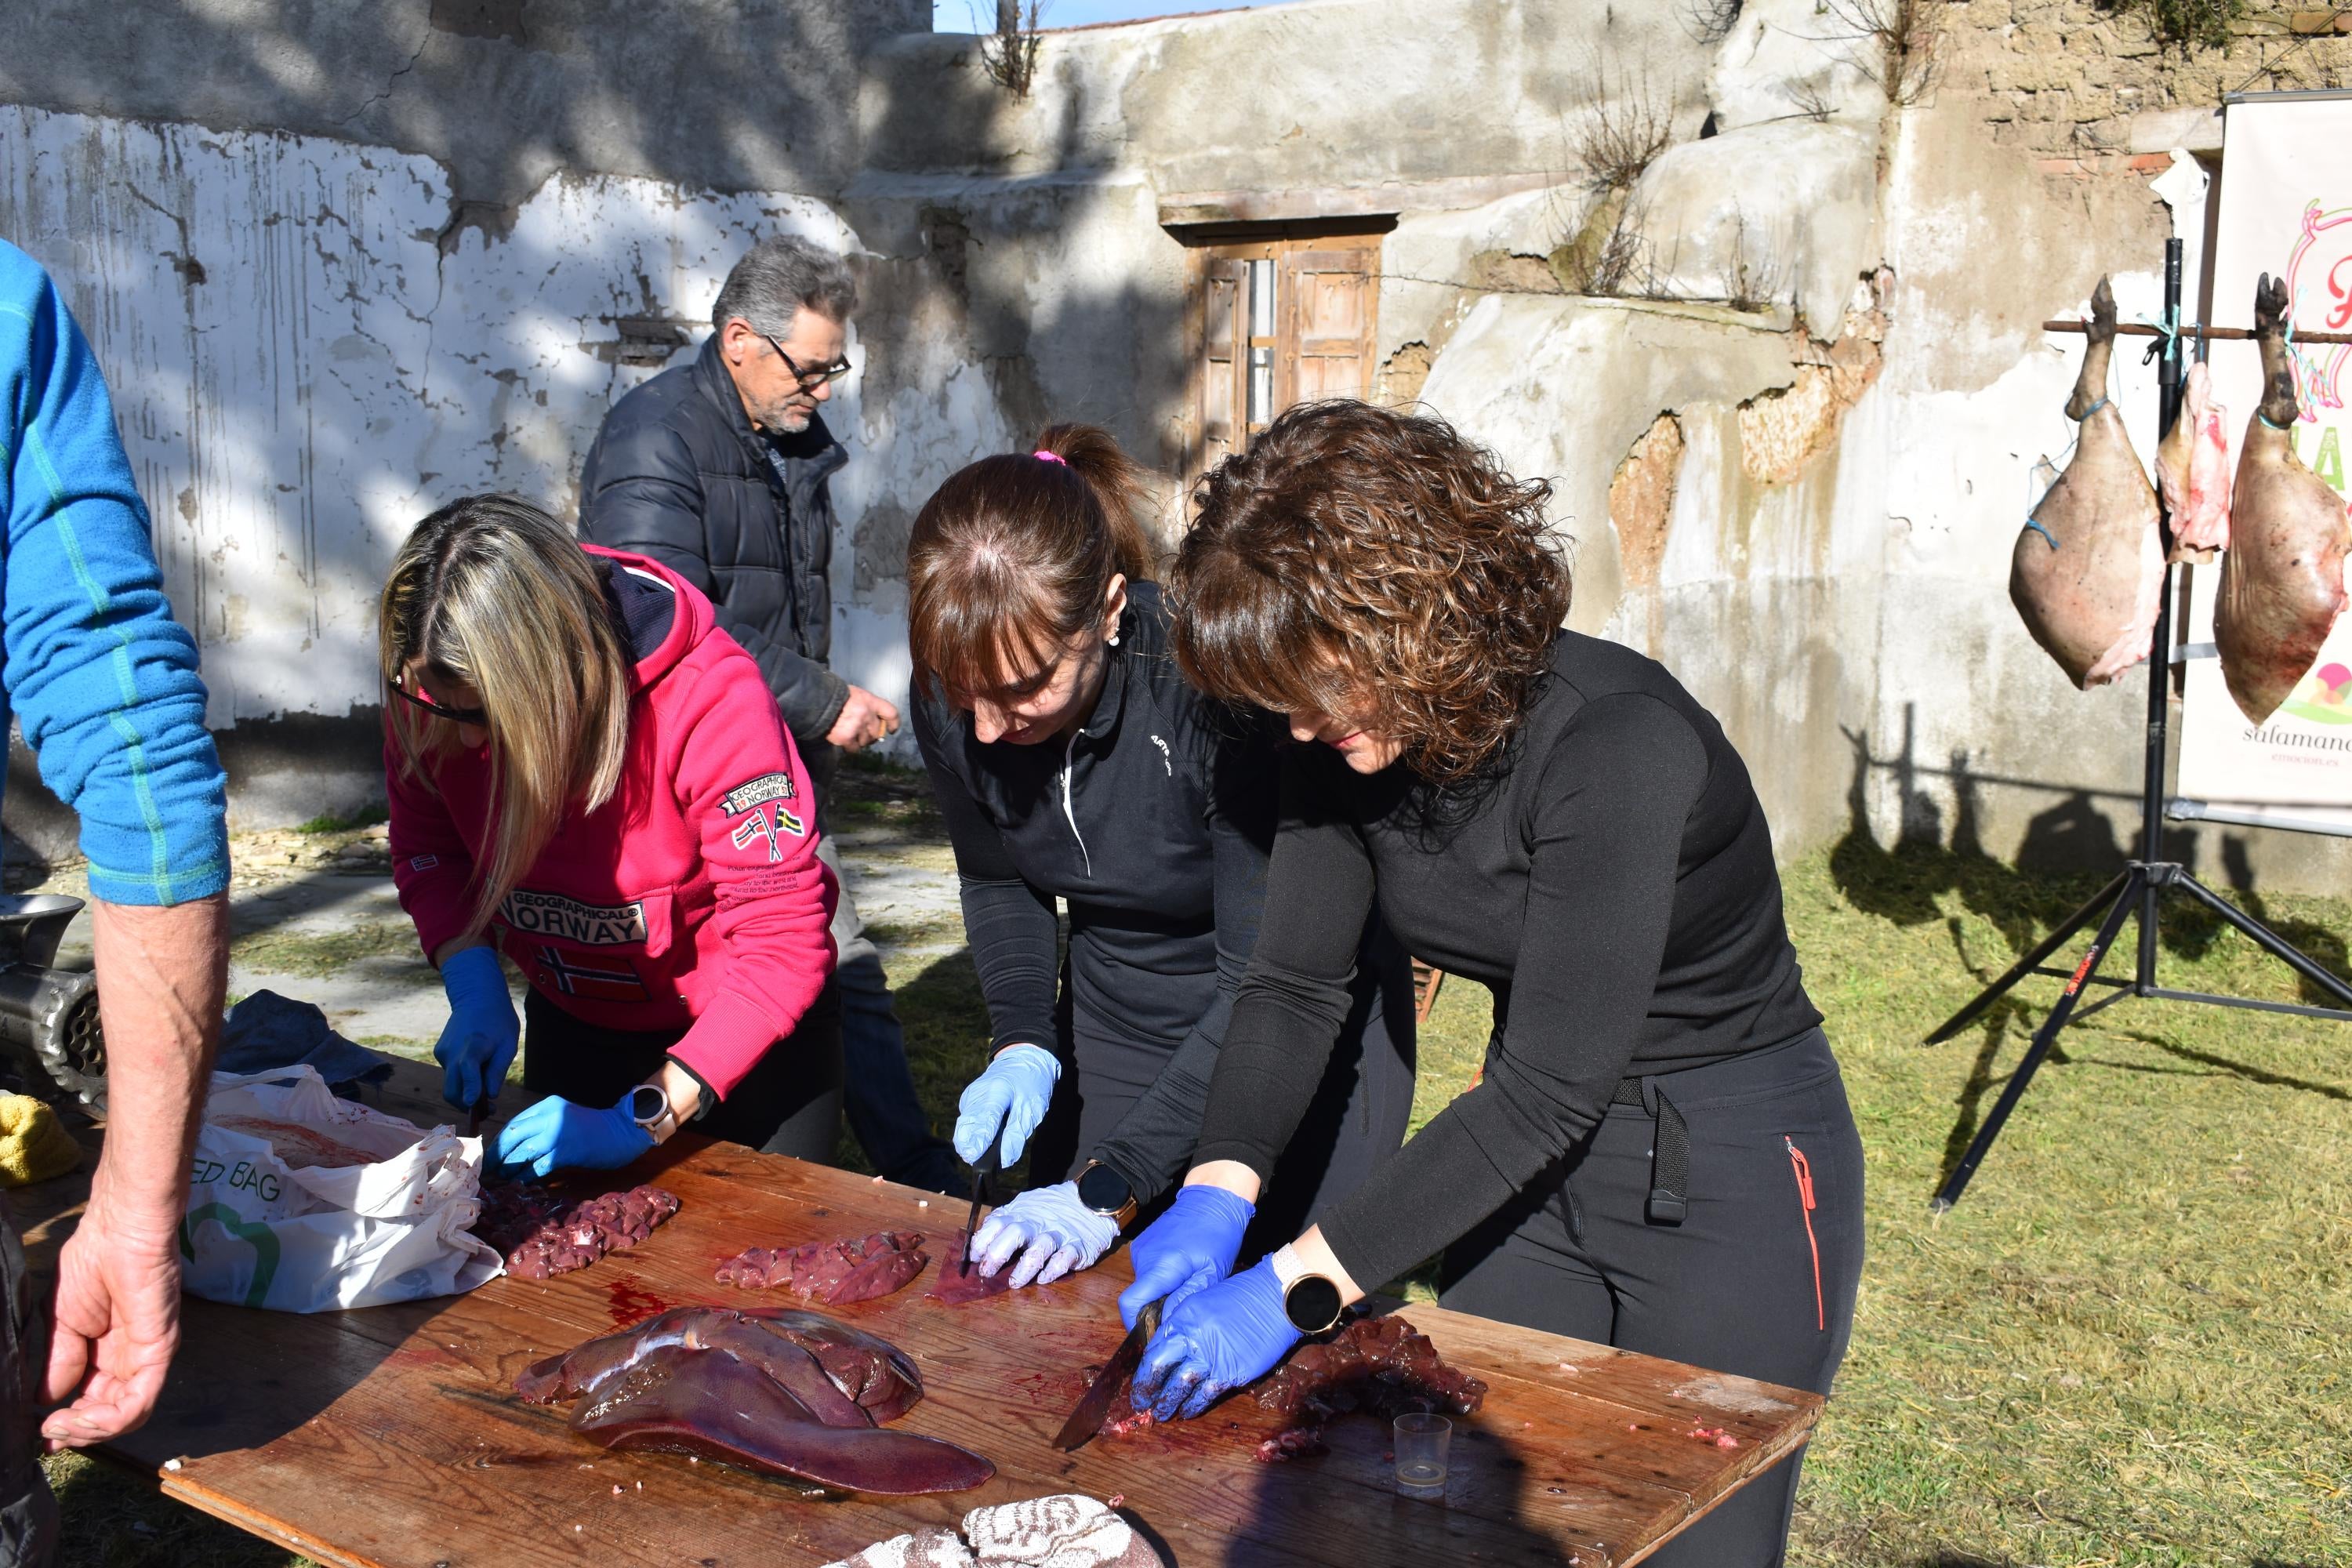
<point>779,276</point>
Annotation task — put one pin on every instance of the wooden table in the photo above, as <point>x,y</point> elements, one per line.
<point>388,1437</point>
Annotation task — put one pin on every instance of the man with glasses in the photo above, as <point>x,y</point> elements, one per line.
<point>720,469</point>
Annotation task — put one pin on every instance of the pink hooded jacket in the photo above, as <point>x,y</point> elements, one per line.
<point>693,899</point>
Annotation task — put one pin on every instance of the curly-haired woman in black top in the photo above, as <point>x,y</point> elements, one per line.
<point>1659,1154</point>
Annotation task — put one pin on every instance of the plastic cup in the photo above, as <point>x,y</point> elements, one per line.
<point>1422,1441</point>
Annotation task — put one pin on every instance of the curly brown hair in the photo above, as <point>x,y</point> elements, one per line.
<point>1377,566</point>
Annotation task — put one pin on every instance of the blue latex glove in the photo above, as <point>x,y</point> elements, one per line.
<point>1227,1335</point>
<point>477,1044</point>
<point>1190,1247</point>
<point>1050,1229</point>
<point>1016,1090</point>
<point>556,1134</point>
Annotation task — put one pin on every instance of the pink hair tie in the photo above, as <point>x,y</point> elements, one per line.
<point>1044,456</point>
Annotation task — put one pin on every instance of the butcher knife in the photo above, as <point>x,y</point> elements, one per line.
<point>1088,1418</point>
<point>990,1164</point>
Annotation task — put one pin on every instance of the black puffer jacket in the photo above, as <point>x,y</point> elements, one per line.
<point>678,473</point>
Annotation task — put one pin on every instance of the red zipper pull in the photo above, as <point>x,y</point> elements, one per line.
<point>1804,1170</point>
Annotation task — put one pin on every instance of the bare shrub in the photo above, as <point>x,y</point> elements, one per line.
<point>1009,54</point>
<point>1812,99</point>
<point>1901,35</point>
<point>1631,122</point>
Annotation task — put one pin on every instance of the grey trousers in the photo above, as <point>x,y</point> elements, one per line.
<point>28,1514</point>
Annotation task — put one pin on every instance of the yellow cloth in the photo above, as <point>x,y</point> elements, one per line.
<point>34,1144</point>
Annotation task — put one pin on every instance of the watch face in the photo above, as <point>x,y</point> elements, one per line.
<point>1312,1304</point>
<point>647,1103</point>
<point>1104,1190</point>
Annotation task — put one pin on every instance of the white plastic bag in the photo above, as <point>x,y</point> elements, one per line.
<point>305,1202</point>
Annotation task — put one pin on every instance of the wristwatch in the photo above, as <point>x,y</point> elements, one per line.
<point>1311,1301</point>
<point>649,1106</point>
<point>1105,1192</point>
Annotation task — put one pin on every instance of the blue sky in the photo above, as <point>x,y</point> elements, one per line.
<point>956,16</point>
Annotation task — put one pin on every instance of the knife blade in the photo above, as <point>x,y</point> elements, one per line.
<point>474,1117</point>
<point>1088,1418</point>
<point>990,1164</point>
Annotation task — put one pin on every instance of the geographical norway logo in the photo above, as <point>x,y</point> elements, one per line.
<point>596,979</point>
<point>758,792</point>
<point>588,925</point>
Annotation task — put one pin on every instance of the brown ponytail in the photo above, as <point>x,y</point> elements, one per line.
<point>1012,557</point>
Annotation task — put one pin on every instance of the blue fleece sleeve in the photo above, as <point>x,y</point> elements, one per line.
<point>102,679</point>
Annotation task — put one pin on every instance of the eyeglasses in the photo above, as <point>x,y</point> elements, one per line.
<point>806,379</point>
<point>455,715</point>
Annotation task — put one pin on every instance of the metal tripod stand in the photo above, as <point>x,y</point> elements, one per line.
<point>2138,887</point>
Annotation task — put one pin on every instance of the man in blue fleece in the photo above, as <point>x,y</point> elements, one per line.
<point>104,684</point>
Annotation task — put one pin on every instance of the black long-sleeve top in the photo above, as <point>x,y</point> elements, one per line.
<point>1614,884</point>
<point>1154,820</point>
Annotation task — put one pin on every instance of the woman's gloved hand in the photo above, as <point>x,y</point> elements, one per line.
<point>1190,1247</point>
<point>477,1044</point>
<point>1223,1337</point>
<point>1015,1089</point>
<point>555,1133</point>
<point>1053,1232</point>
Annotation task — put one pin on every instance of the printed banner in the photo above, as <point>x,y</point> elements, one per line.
<point>2285,209</point>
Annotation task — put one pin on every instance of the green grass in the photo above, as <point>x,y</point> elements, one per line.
<point>2127,1346</point>
<point>343,822</point>
<point>321,955</point>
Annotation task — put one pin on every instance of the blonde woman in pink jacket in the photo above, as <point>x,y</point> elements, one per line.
<point>587,775</point>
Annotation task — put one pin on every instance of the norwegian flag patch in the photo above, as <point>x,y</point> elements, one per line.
<point>604,978</point>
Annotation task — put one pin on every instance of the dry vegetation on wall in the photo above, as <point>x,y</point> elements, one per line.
<point>1009,55</point>
<point>2202,23</point>
<point>1896,41</point>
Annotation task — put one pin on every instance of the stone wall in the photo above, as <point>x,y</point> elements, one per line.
<point>354,262</point>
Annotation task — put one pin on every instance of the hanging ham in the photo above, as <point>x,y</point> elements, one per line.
<point>2192,470</point>
<point>2088,568</point>
<point>2282,579</point>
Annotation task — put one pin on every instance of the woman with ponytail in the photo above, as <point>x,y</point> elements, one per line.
<point>586,775</point>
<point>1073,762</point>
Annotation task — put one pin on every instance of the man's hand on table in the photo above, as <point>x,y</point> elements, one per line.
<point>865,719</point>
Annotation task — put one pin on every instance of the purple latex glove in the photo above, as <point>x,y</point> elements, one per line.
<point>1223,1337</point>
<point>1192,1246</point>
<point>555,1134</point>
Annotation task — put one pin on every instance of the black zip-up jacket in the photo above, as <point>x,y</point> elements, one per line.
<point>1154,820</point>
<point>1614,888</point>
<point>678,473</point>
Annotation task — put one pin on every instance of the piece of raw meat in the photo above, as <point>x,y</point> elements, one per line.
<point>2192,470</point>
<point>951,1285</point>
<point>299,1147</point>
<point>773,1389</point>
<point>2282,581</point>
<point>2088,568</point>
<point>833,1273</point>
<point>1380,1366</point>
<point>543,1236</point>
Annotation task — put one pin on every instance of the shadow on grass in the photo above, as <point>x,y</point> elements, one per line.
<point>2068,853</point>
